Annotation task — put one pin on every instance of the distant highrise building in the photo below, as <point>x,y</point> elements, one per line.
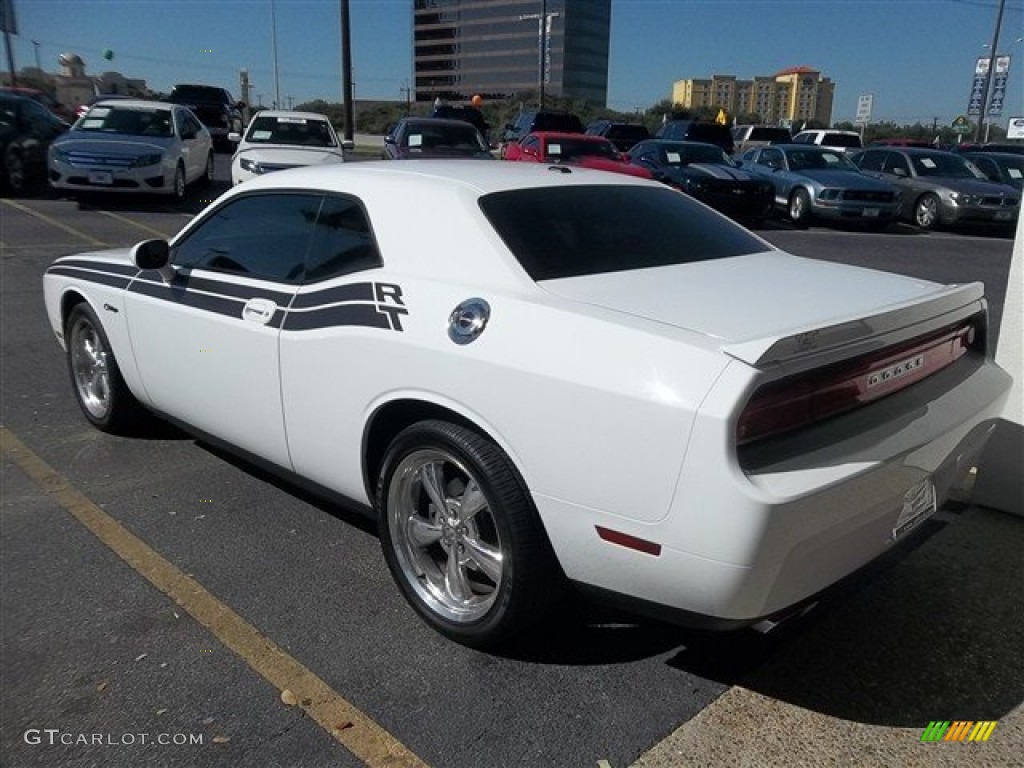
<point>796,95</point>
<point>492,47</point>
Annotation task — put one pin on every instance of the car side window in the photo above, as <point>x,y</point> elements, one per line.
<point>342,241</point>
<point>871,160</point>
<point>771,157</point>
<point>260,236</point>
<point>897,165</point>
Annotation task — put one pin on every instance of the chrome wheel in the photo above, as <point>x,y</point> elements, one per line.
<point>799,208</point>
<point>179,183</point>
<point>444,536</point>
<point>926,212</point>
<point>89,368</point>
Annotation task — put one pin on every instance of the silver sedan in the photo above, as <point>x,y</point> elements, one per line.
<point>817,182</point>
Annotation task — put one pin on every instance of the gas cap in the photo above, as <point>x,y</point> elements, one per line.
<point>468,320</point>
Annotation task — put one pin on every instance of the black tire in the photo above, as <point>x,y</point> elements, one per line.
<point>207,178</point>
<point>926,213</point>
<point>799,208</point>
<point>96,380</point>
<point>504,577</point>
<point>178,190</point>
<point>15,172</point>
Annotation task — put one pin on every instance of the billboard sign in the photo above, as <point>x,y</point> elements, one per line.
<point>8,23</point>
<point>999,78</point>
<point>978,87</point>
<point>864,105</point>
<point>1015,128</point>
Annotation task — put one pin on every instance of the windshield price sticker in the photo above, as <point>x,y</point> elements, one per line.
<point>292,120</point>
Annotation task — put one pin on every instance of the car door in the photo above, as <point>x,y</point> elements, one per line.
<point>193,148</point>
<point>206,344</point>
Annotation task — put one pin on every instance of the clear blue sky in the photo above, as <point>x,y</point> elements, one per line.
<point>916,56</point>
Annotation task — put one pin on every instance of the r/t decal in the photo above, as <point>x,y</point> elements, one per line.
<point>388,298</point>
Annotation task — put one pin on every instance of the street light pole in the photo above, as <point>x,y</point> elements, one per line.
<point>983,118</point>
<point>346,72</point>
<point>543,34</point>
<point>273,43</point>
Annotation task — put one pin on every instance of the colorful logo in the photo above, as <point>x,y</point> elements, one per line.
<point>958,730</point>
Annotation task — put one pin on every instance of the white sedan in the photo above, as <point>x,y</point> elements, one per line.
<point>131,145</point>
<point>538,376</point>
<point>275,141</point>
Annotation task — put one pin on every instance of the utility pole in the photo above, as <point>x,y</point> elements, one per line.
<point>10,27</point>
<point>346,72</point>
<point>273,43</point>
<point>543,53</point>
<point>983,118</point>
<point>406,90</point>
<point>39,63</point>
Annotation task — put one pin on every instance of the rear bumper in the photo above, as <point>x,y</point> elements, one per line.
<point>749,536</point>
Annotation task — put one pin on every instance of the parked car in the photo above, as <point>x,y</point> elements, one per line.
<point>902,143</point>
<point>470,115</point>
<point>1003,167</point>
<point>623,135</point>
<point>814,182</point>
<point>54,107</point>
<point>693,130</point>
<point>276,140</point>
<point>148,147</point>
<point>416,138</point>
<point>1007,148</point>
<point>26,130</point>
<point>751,136</point>
<point>941,188</point>
<point>530,378</point>
<point>215,107</point>
<point>705,172</point>
<point>572,149</point>
<point>533,121</point>
<point>831,139</point>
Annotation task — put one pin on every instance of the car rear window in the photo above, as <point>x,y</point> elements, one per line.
<point>772,135</point>
<point>567,123</point>
<point>568,231</point>
<point>709,132</point>
<point>841,140</point>
<point>198,93</point>
<point>628,132</point>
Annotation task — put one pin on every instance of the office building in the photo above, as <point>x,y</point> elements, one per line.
<point>492,48</point>
<point>793,96</point>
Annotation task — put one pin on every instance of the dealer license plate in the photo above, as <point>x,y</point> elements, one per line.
<point>918,504</point>
<point>870,213</point>
<point>1002,215</point>
<point>101,177</point>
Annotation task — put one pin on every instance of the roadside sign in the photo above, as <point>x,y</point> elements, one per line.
<point>1015,128</point>
<point>962,124</point>
<point>999,78</point>
<point>864,105</point>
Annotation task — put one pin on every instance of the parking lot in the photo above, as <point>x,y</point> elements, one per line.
<point>166,604</point>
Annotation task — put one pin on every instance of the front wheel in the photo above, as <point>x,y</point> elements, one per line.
<point>926,211</point>
<point>179,183</point>
<point>800,208</point>
<point>105,399</point>
<point>207,177</point>
<point>461,535</point>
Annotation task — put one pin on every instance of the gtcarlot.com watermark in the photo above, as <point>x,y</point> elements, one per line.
<point>54,736</point>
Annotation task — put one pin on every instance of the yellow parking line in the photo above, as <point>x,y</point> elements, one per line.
<point>351,727</point>
<point>143,227</point>
<point>53,222</point>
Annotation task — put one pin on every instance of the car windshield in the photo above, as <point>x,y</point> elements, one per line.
<point>816,159</point>
<point>944,164</point>
<point>197,93</point>
<point>567,231</point>
<point>292,131</point>
<point>851,140</point>
<point>129,121</point>
<point>568,149</point>
<point>454,136</point>
<point>684,154</point>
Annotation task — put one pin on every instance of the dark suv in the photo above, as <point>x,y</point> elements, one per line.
<point>692,130</point>
<point>622,135</point>
<point>528,122</point>
<point>470,115</point>
<point>214,106</point>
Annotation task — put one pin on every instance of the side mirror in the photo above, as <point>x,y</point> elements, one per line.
<point>235,137</point>
<point>154,255</point>
<point>389,139</point>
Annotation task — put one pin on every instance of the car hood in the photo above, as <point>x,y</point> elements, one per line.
<point>281,155</point>
<point>705,171</point>
<point>738,299</point>
<point>968,186</point>
<point>112,143</point>
<point>847,179</point>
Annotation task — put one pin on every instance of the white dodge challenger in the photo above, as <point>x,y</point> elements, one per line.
<point>539,376</point>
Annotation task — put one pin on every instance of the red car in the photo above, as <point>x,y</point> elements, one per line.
<point>572,149</point>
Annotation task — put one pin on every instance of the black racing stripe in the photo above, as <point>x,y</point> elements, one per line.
<point>177,295</point>
<point>343,314</point>
<point>99,266</point>
<point>117,281</point>
<point>350,292</point>
<point>187,281</point>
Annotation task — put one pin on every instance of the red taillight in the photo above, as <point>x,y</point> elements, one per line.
<point>796,402</point>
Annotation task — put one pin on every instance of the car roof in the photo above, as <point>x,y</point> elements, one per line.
<point>574,136</point>
<point>287,113</point>
<point>135,104</point>
<point>435,121</point>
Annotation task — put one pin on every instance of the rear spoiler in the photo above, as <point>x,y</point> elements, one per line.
<point>948,305</point>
